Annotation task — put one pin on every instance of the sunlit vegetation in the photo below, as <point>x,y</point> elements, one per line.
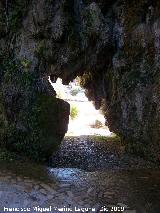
<point>74,112</point>
<point>113,138</point>
<point>74,92</point>
<point>98,124</point>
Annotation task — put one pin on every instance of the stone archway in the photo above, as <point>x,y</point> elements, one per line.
<point>108,45</point>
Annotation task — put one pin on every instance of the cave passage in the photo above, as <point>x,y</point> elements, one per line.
<point>114,46</point>
<point>84,118</point>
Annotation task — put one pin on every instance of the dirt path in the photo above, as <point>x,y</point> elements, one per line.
<point>105,185</point>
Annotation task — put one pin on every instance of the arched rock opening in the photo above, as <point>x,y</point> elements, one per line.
<point>114,47</point>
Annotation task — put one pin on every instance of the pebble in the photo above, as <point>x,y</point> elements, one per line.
<point>70,194</point>
<point>65,185</point>
<point>75,187</point>
<point>90,190</point>
<point>28,181</point>
<point>13,181</point>
<point>43,191</point>
<point>29,184</point>
<point>3,179</point>
<point>49,197</point>
<point>36,187</point>
<point>48,188</point>
<point>28,189</point>
<point>19,179</point>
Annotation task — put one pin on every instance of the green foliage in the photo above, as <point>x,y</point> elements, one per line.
<point>74,92</point>
<point>7,156</point>
<point>2,23</point>
<point>42,136</point>
<point>43,124</point>
<point>41,49</point>
<point>135,76</point>
<point>26,63</point>
<point>98,124</point>
<point>74,112</point>
<point>111,139</point>
<point>15,74</point>
<point>18,8</point>
<point>39,132</point>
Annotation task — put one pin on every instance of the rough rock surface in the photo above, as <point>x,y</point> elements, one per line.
<point>113,45</point>
<point>32,120</point>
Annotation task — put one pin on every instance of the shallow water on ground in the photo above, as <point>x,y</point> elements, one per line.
<point>137,190</point>
<point>110,185</point>
<point>131,190</point>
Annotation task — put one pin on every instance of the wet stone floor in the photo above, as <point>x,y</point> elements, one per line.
<point>35,188</point>
<point>92,153</point>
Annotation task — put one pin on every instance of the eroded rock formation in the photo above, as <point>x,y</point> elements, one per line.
<point>113,45</point>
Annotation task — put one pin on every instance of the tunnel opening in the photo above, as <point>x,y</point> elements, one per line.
<point>116,45</point>
<point>84,118</point>
<point>88,143</point>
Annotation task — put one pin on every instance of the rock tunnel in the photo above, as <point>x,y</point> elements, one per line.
<point>112,45</point>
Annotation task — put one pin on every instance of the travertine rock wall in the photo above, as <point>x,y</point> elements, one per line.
<point>113,45</point>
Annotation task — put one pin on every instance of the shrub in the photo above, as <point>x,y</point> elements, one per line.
<point>74,92</point>
<point>7,156</point>
<point>98,124</point>
<point>74,112</point>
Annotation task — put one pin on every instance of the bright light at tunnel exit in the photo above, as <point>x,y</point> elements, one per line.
<point>84,118</point>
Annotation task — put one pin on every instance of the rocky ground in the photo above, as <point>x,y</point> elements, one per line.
<point>133,191</point>
<point>94,153</point>
<point>102,179</point>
